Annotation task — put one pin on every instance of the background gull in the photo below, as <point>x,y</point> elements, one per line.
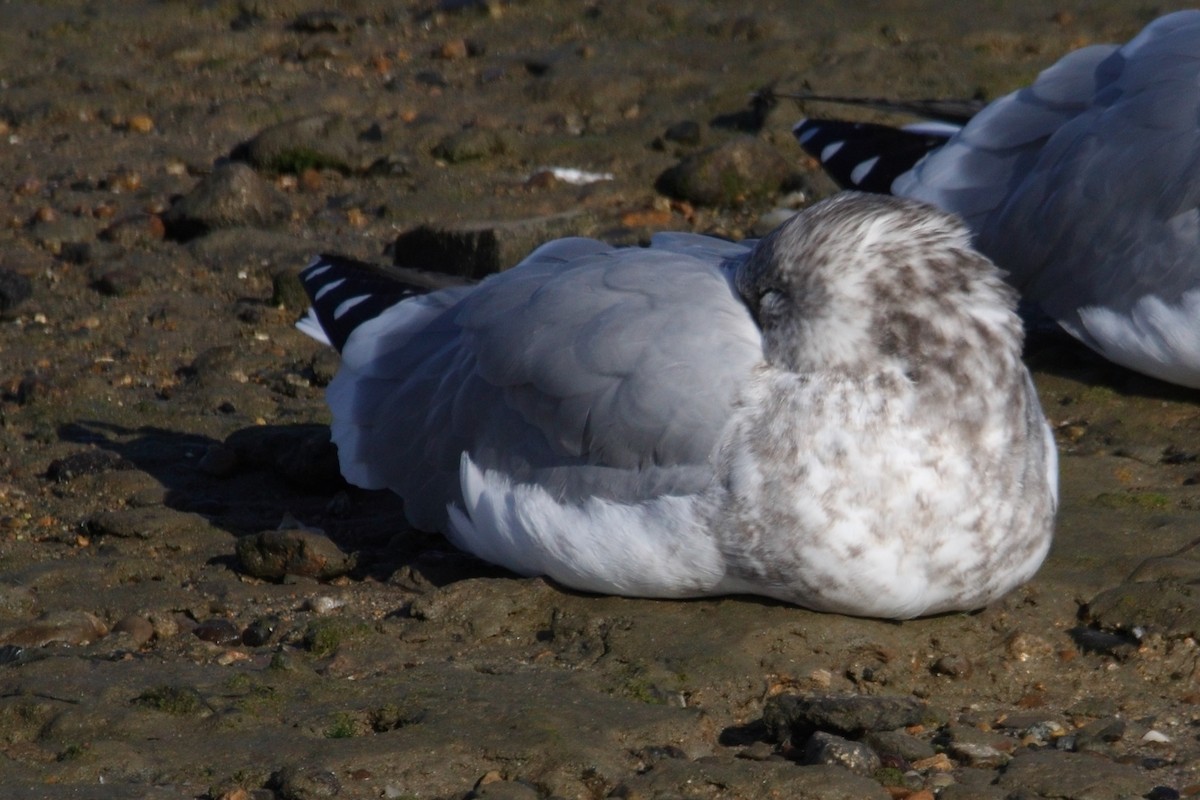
<point>1084,186</point>
<point>835,416</point>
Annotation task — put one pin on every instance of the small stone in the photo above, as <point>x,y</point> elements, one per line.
<point>232,196</point>
<point>452,50</point>
<point>825,748</point>
<point>1051,773</point>
<point>318,141</point>
<point>900,744</point>
<point>287,291</point>
<point>140,123</point>
<point>261,631</point>
<point>953,666</point>
<point>730,174</point>
<point>136,627</point>
<point>218,630</point>
<point>307,552</point>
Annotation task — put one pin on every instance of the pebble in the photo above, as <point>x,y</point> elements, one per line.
<point>261,631</point>
<point>140,123</point>
<point>825,748</point>
<point>138,628</point>
<point>321,141</point>
<point>231,196</point>
<point>953,666</point>
<point>899,744</point>
<point>306,552</point>
<point>799,716</point>
<point>218,630</point>
<point>730,174</point>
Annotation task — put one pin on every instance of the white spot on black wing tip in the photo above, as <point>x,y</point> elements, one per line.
<point>830,150</point>
<point>345,306</point>
<point>345,293</point>
<point>860,173</point>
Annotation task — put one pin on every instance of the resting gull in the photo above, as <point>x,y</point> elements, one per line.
<point>1084,187</point>
<point>835,416</point>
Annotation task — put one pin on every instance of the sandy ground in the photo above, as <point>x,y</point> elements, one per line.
<point>160,414</point>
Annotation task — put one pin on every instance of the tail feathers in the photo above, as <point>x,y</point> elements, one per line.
<point>865,156</point>
<point>345,293</point>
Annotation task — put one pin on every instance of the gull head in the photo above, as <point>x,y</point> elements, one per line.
<point>865,284</point>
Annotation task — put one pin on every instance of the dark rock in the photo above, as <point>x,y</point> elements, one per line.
<point>85,462</point>
<point>261,631</point>
<point>1091,640</point>
<point>214,366</point>
<point>319,141</point>
<point>825,748</point>
<point>899,744</point>
<point>953,666</point>
<point>232,196</point>
<point>476,250</point>
<point>730,174</point>
<point>15,289</point>
<point>299,551</point>
<point>799,717</point>
<point>218,630</point>
<point>1074,776</point>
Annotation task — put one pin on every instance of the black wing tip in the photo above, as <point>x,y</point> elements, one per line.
<point>864,155</point>
<point>346,292</point>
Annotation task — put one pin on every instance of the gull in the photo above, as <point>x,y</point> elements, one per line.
<point>835,416</point>
<point>1084,187</point>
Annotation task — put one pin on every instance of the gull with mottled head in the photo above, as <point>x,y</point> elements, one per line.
<point>836,416</point>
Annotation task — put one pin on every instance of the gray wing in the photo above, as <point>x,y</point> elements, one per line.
<point>1094,201</point>
<point>587,369</point>
<point>975,172</point>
